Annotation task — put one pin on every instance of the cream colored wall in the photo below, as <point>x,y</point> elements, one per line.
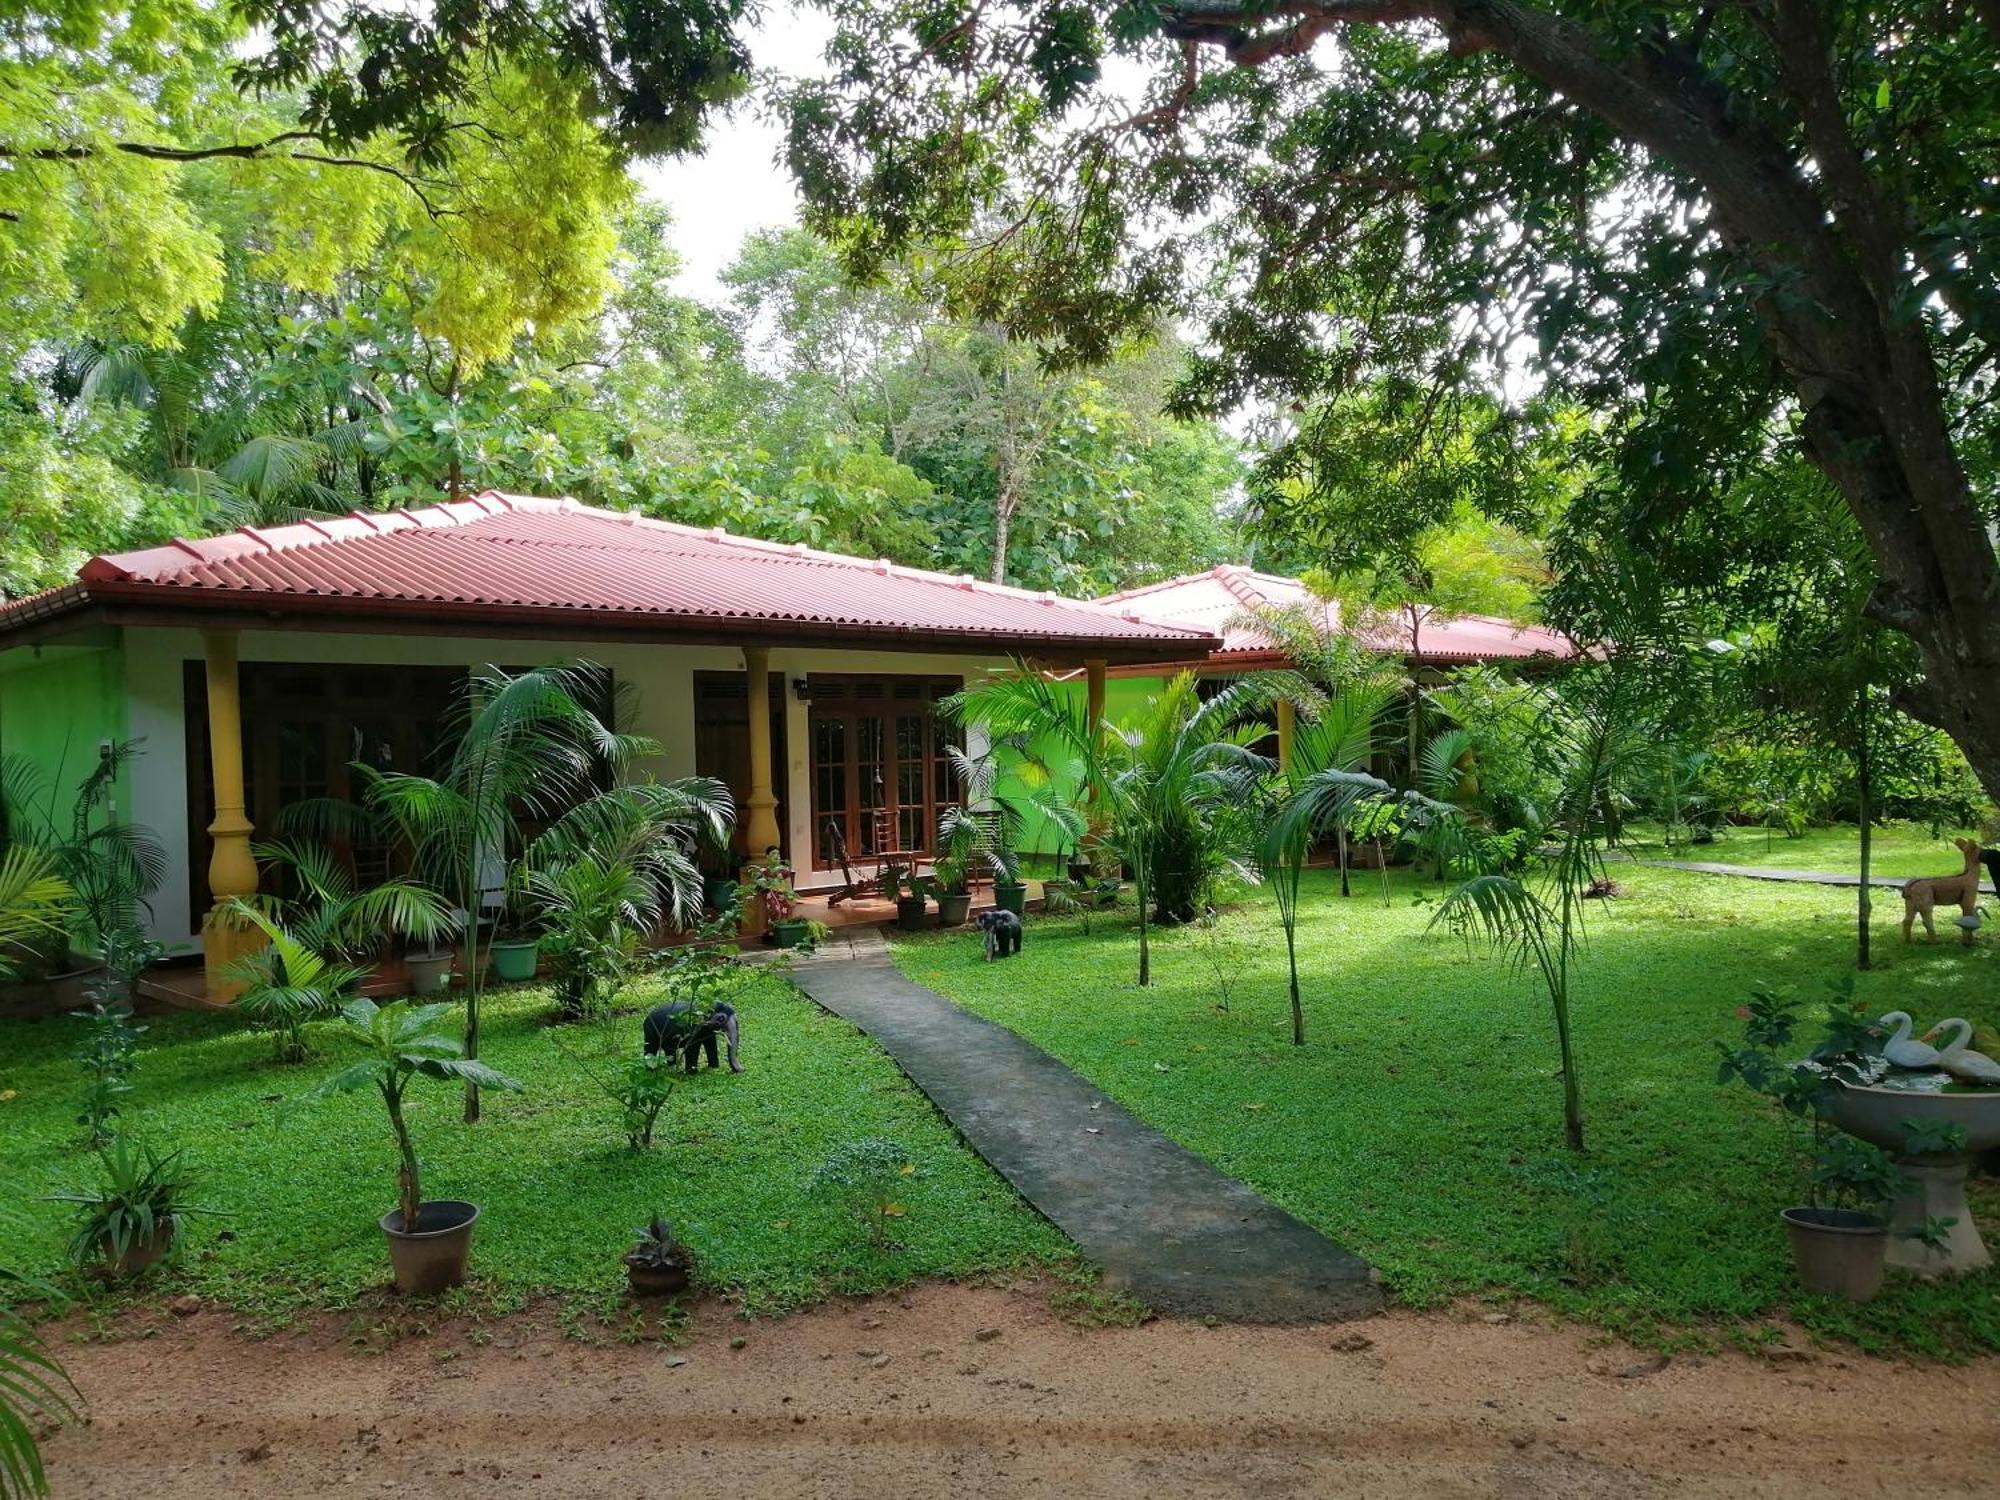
<point>661,678</point>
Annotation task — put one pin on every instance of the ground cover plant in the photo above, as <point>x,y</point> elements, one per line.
<point>1415,1126</point>
<point>551,1167</point>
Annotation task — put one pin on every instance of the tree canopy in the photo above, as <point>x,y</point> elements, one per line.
<point>1725,231</point>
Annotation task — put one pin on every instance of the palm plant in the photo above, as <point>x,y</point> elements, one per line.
<point>1342,738</point>
<point>289,982</point>
<point>527,747</point>
<point>109,867</point>
<point>329,915</point>
<point>33,901</point>
<point>1589,752</point>
<point>1152,785</point>
<point>33,1387</point>
<point>402,1047</point>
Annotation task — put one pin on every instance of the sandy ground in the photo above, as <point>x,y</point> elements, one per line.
<point>976,1392</point>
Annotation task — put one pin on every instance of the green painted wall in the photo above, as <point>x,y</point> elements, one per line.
<point>55,709</point>
<point>1124,697</point>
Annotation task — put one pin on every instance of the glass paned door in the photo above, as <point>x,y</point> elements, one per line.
<point>881,773</point>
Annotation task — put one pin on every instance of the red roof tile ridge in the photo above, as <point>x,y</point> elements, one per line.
<point>879,565</point>
<point>1180,580</point>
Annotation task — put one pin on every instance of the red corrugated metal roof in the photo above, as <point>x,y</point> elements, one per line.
<point>1225,601</point>
<point>525,559</point>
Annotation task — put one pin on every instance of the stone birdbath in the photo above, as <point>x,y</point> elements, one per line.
<point>1875,1112</point>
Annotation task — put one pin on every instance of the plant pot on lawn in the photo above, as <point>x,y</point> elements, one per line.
<point>1011,895</point>
<point>514,958</point>
<point>659,1265</point>
<point>430,973</point>
<point>432,1257</point>
<point>1838,1252</point>
<point>953,908</point>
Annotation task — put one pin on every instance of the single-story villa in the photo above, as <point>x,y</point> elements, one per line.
<point>258,666</point>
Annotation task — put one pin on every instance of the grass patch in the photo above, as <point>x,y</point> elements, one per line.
<point>1907,849</point>
<point>1421,1125</point>
<point>559,1190</point>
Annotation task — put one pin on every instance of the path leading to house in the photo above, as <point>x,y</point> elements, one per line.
<point>1162,1223</point>
<point>1796,877</point>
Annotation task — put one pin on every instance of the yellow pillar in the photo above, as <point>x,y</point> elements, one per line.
<point>232,869</point>
<point>1285,728</point>
<point>760,806</point>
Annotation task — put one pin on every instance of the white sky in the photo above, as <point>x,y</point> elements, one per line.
<point>737,184</point>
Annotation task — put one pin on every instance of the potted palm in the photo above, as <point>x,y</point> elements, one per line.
<point>429,1241</point>
<point>959,836</point>
<point>910,900</point>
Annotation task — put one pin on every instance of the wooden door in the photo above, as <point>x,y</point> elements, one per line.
<point>881,767</point>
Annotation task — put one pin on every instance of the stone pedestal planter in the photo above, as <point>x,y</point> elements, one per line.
<point>1936,1180</point>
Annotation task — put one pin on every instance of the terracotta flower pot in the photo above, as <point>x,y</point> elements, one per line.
<point>1838,1252</point>
<point>649,1279</point>
<point>432,1259</point>
<point>140,1255</point>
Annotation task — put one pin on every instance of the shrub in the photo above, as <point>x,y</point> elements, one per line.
<point>864,1176</point>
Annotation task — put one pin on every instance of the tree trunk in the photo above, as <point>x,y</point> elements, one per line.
<point>1003,525</point>
<point>1292,963</point>
<point>1861,775</point>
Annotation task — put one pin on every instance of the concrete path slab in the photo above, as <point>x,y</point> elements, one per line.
<point>1162,1223</point>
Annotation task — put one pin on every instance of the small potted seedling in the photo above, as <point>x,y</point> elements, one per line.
<point>1840,1235</point>
<point>658,1265</point>
<point>133,1221</point>
<point>429,1242</point>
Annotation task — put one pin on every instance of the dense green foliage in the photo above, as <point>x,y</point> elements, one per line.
<point>733,1156</point>
<point>1418,1126</point>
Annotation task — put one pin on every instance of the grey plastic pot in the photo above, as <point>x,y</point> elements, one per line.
<point>430,973</point>
<point>1837,1251</point>
<point>432,1260</point>
<point>953,910</point>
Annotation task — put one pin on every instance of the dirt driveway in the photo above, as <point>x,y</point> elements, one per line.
<point>976,1392</point>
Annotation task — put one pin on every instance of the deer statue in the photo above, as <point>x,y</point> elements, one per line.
<point>1921,897</point>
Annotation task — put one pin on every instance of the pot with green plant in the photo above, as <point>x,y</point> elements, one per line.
<point>959,849</point>
<point>911,900</point>
<point>133,1220</point>
<point>429,1241</point>
<point>658,1265</point>
<point>1840,1234</point>
<point>517,940</point>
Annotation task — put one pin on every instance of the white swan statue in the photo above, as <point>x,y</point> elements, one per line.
<point>1900,1050</point>
<point>1958,1058</point>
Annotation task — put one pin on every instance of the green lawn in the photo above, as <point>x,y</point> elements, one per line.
<point>559,1188</point>
<point>1897,849</point>
<point>1421,1123</point>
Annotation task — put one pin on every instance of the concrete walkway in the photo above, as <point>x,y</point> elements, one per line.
<point>1162,1223</point>
<point>1796,877</point>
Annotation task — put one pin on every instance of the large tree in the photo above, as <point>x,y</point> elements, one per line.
<point>1725,229</point>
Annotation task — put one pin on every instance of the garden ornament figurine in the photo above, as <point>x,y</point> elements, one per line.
<point>1921,897</point>
<point>1958,1058</point>
<point>675,1029</point>
<point>1002,930</point>
<point>1900,1050</point>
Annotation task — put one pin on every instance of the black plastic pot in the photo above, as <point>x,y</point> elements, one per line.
<point>1837,1252</point>
<point>1011,897</point>
<point>648,1278</point>
<point>432,1259</point>
<point>910,913</point>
